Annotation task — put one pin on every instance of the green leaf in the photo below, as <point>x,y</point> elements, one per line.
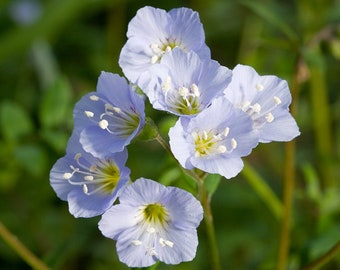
<point>55,103</point>
<point>14,121</point>
<point>32,158</point>
<point>211,183</point>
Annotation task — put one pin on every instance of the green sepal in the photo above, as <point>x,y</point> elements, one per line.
<point>149,131</point>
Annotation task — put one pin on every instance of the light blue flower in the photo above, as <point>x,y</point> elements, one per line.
<point>89,184</point>
<point>108,119</point>
<point>184,84</point>
<point>153,32</point>
<point>266,99</point>
<point>215,140</point>
<point>153,223</point>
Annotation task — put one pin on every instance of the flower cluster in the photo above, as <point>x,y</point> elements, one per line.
<point>222,115</point>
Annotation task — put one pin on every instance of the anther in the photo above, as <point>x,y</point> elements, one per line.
<point>94,98</point>
<point>103,124</point>
<point>89,114</point>
<point>277,100</point>
<point>226,132</point>
<point>67,176</point>
<point>256,107</point>
<point>77,156</point>
<point>221,149</point>
<point>151,230</point>
<point>233,143</point>
<point>195,90</point>
<point>259,87</point>
<point>269,117</point>
<point>136,242</point>
<point>167,49</point>
<point>85,189</point>
<point>154,59</point>
<point>183,91</point>
<point>166,85</point>
<point>88,178</point>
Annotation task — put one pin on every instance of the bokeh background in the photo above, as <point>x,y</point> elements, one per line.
<point>52,52</point>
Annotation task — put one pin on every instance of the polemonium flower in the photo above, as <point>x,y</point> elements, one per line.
<point>183,83</point>
<point>153,32</point>
<point>153,223</point>
<point>266,99</point>
<point>109,118</point>
<point>215,140</point>
<point>89,184</point>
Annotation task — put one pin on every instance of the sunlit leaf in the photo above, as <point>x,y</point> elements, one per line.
<point>55,103</point>
<point>14,121</point>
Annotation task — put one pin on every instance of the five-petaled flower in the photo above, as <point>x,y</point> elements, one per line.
<point>183,83</point>
<point>153,223</point>
<point>215,140</point>
<point>89,184</point>
<point>108,119</point>
<point>266,99</point>
<point>153,32</point>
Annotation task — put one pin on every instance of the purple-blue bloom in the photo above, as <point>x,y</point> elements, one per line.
<point>153,223</point>
<point>183,83</point>
<point>108,119</point>
<point>153,32</point>
<point>266,99</point>
<point>215,140</point>
<point>89,184</point>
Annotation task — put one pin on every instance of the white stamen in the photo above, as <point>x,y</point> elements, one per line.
<point>233,143</point>
<point>94,98</point>
<point>221,149</point>
<point>153,252</point>
<point>89,114</point>
<point>269,117</point>
<point>205,135</point>
<point>277,100</point>
<point>183,91</point>
<point>226,132</point>
<point>166,85</point>
<point>103,124</point>
<point>154,46</point>
<point>85,189</point>
<point>77,156</point>
<point>88,178</point>
<point>259,87</point>
<point>164,242</point>
<point>117,110</point>
<point>154,59</point>
<point>245,105</point>
<point>256,107</point>
<point>93,168</point>
<point>194,135</point>
<point>167,49</point>
<point>150,230</point>
<point>67,175</point>
<point>136,242</point>
<point>195,90</point>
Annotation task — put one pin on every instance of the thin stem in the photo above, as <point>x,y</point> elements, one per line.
<point>209,223</point>
<point>289,180</point>
<point>325,258</point>
<point>263,190</point>
<point>21,249</point>
<point>204,198</point>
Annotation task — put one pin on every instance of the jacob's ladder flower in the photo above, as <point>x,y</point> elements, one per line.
<point>153,223</point>
<point>108,119</point>
<point>89,184</point>
<point>153,32</point>
<point>266,99</point>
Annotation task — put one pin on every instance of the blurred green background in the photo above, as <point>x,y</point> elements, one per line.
<point>52,52</point>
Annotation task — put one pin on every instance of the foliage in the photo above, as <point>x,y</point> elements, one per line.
<point>49,62</point>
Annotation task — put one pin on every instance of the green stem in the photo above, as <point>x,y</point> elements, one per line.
<point>263,190</point>
<point>209,224</point>
<point>204,198</point>
<point>317,264</point>
<point>289,180</point>
<point>21,249</point>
